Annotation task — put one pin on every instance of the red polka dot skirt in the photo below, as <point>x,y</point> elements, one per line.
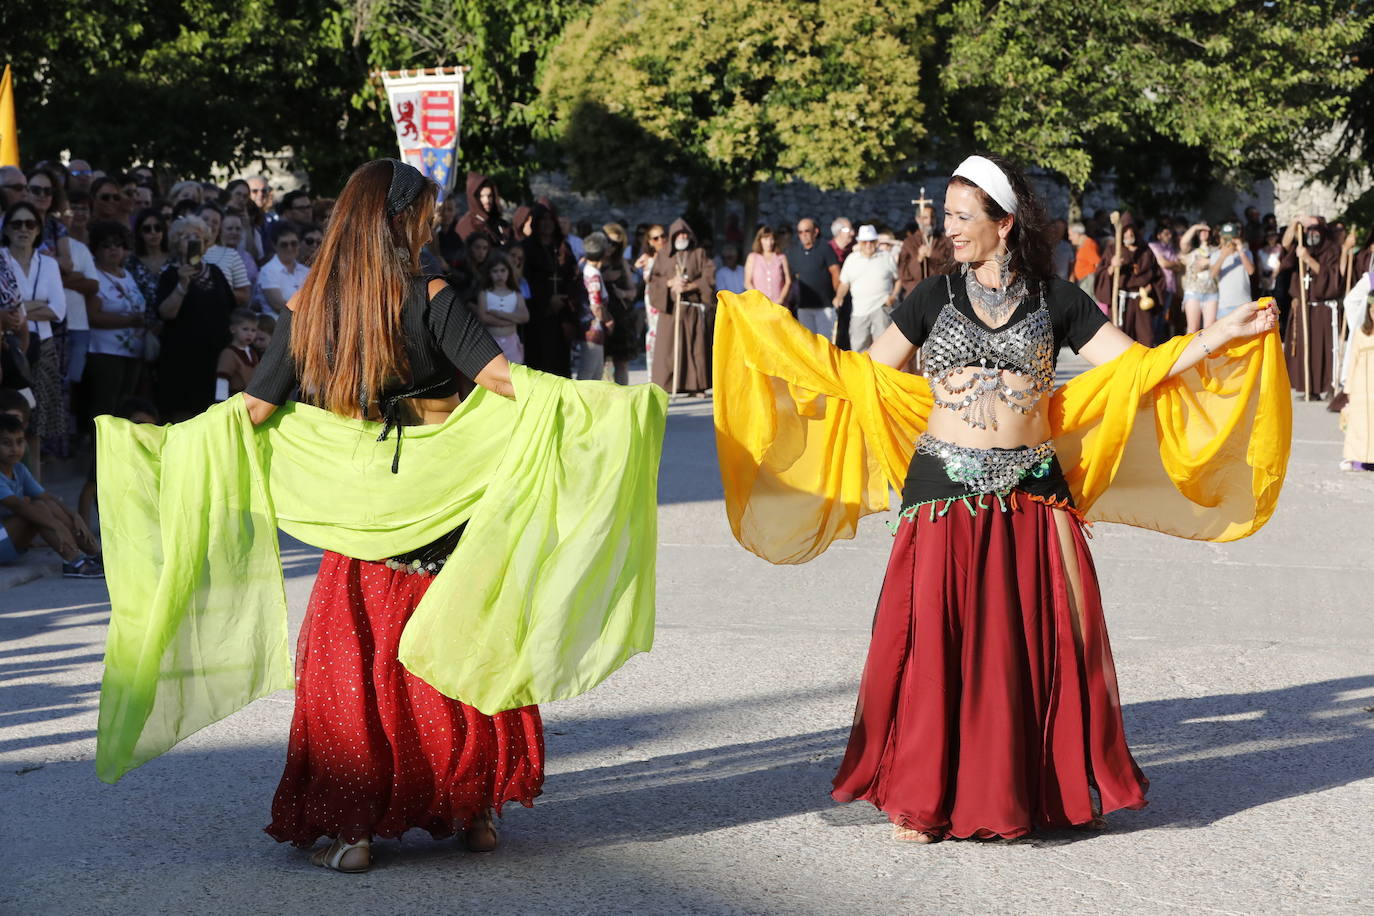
<point>374,750</point>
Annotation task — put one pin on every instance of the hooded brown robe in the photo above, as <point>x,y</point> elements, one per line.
<point>912,268</point>
<point>1325,289</point>
<point>1139,270</point>
<point>698,312</point>
<point>489,223</point>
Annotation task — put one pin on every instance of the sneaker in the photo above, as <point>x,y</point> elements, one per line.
<point>83,567</point>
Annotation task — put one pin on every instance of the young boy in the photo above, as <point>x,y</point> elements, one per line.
<point>16,405</point>
<point>238,360</point>
<point>267,326</point>
<point>28,511</point>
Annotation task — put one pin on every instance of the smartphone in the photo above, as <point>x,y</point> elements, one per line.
<point>194,249</point>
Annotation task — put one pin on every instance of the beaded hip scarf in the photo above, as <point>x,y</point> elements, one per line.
<point>988,470</point>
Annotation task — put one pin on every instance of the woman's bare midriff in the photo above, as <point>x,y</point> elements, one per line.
<point>1014,429</point>
<point>426,411</point>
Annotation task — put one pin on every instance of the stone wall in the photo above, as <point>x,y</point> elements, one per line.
<point>889,203</point>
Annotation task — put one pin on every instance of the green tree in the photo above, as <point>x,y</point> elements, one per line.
<point>505,43</point>
<point>643,93</point>
<point>184,84</point>
<point>1081,88</point>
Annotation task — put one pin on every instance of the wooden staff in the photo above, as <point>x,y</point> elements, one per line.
<point>677,324</point>
<point>1117,316</point>
<point>1302,306</point>
<point>921,203</point>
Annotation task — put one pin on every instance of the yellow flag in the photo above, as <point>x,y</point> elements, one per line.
<point>9,131</point>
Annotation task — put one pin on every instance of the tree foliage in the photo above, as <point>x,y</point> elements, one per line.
<point>505,44</point>
<point>642,92</point>
<point>185,84</point>
<point>1078,86</point>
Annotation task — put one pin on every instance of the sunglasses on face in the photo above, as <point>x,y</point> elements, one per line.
<point>17,186</point>
<point>23,224</point>
<point>107,197</point>
<point>312,240</point>
<point>150,229</point>
<point>40,190</point>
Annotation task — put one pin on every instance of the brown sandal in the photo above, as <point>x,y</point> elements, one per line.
<point>481,835</point>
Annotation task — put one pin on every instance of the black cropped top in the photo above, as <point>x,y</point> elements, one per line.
<point>444,342</point>
<point>1074,316</point>
<point>445,346</point>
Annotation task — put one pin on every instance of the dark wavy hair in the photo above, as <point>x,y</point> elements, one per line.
<point>1028,243</point>
<point>103,232</point>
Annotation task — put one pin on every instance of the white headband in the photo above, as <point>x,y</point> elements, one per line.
<point>986,175</point>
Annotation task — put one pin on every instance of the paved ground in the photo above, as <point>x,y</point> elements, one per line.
<point>696,779</point>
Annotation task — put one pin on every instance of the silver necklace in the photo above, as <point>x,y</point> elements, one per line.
<point>998,303</point>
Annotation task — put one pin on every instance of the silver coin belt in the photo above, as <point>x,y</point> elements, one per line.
<point>988,470</point>
<point>957,344</point>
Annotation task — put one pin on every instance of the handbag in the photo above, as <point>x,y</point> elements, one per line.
<point>14,363</point>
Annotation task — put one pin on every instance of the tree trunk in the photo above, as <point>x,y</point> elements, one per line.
<point>1075,203</point>
<point>749,196</point>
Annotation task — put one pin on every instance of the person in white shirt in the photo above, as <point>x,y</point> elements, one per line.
<point>729,272</point>
<point>118,322</point>
<point>44,301</point>
<point>283,276</point>
<point>869,278</point>
<point>78,320</point>
<point>227,259</point>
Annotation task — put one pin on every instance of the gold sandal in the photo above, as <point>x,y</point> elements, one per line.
<point>332,857</point>
<point>903,834</point>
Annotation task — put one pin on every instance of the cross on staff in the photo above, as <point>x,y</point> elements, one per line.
<point>921,202</point>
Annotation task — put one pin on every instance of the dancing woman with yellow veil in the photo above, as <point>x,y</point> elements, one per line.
<point>988,705</point>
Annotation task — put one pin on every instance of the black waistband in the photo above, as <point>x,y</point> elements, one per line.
<point>927,480</point>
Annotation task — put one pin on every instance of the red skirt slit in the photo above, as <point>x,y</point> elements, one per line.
<point>988,705</point>
<point>374,750</point>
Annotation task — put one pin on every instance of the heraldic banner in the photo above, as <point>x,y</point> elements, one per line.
<point>426,107</point>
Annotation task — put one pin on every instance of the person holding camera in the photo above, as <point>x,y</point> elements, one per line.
<point>1232,271</point>
<point>194,299</point>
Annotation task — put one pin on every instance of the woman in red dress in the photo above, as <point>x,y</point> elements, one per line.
<point>374,750</point>
<point>988,705</point>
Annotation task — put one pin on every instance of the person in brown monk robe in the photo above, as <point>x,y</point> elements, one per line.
<point>683,274</point>
<point>1321,260</point>
<point>1140,273</point>
<point>925,252</point>
<point>484,212</point>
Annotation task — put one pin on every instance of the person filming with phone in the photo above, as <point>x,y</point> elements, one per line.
<point>194,299</point>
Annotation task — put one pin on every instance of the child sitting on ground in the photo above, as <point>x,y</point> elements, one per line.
<point>16,405</point>
<point>135,410</point>
<point>27,512</point>
<point>238,360</point>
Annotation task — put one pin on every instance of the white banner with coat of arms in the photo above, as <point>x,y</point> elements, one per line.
<point>426,107</point>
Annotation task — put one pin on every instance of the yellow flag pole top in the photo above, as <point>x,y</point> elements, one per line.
<point>9,130</point>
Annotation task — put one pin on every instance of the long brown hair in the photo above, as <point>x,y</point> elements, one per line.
<point>346,321</point>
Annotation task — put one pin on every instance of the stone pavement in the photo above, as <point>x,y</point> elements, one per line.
<point>695,780</point>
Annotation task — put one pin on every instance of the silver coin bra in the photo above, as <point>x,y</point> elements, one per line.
<point>958,344</point>
<point>988,470</point>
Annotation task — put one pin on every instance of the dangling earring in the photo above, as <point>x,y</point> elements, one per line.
<point>1003,267</point>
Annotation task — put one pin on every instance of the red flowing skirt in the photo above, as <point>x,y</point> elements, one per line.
<point>989,704</point>
<point>374,750</point>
